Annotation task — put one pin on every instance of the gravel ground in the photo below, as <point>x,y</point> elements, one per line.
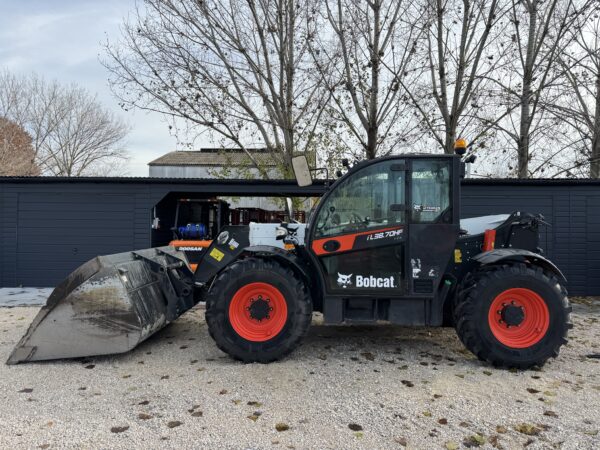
<point>346,387</point>
<point>11,297</point>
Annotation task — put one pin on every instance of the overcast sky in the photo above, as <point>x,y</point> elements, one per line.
<point>60,39</point>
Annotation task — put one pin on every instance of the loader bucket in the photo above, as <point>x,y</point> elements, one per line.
<point>109,305</point>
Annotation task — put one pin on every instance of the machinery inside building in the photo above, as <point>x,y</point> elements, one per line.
<point>185,217</point>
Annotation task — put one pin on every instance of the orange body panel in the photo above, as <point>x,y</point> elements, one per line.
<point>346,241</point>
<point>190,243</point>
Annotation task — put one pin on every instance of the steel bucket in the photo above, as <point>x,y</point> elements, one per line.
<point>109,305</point>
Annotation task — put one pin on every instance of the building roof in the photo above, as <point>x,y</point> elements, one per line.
<point>215,157</point>
<point>318,183</point>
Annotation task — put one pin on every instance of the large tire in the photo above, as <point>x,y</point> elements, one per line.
<point>258,310</point>
<point>512,315</point>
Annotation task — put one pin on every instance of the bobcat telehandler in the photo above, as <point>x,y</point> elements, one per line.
<point>385,243</point>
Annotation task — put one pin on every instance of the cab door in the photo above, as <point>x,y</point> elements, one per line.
<point>359,233</point>
<point>433,221</point>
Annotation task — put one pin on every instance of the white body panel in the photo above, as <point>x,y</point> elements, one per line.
<point>477,225</point>
<point>264,234</point>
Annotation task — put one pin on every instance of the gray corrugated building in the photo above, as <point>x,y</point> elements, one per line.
<point>49,226</point>
<point>210,163</point>
<point>219,163</point>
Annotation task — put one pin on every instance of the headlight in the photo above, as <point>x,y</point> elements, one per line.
<point>223,237</point>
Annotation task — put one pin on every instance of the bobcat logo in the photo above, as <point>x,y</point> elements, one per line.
<point>344,280</point>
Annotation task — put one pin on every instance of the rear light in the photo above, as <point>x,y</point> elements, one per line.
<point>489,240</point>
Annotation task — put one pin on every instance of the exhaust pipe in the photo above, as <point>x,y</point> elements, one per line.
<point>109,305</point>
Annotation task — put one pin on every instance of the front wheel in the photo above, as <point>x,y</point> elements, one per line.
<point>513,315</point>
<point>258,310</point>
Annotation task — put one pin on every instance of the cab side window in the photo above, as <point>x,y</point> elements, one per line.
<point>363,201</point>
<point>430,185</point>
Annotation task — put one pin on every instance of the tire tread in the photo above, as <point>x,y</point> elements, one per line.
<point>237,269</point>
<point>469,295</point>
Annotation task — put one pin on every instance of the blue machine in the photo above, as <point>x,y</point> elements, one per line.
<point>193,231</point>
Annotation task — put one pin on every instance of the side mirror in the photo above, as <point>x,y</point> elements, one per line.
<point>301,171</point>
<point>290,207</point>
<point>280,233</point>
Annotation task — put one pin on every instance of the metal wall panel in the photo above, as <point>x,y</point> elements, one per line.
<point>50,226</point>
<point>57,233</point>
<point>8,238</point>
<point>592,247</point>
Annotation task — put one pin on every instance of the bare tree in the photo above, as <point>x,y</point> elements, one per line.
<point>17,157</point>
<point>236,68</point>
<point>461,59</point>
<point>86,138</point>
<point>540,35</point>
<point>579,104</point>
<point>362,52</point>
<point>71,133</point>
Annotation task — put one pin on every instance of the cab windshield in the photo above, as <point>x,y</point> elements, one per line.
<point>362,202</point>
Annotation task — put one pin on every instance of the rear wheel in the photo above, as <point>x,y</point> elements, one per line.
<point>258,310</point>
<point>513,315</point>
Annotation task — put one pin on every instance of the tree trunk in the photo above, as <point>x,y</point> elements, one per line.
<point>373,130</point>
<point>525,121</point>
<point>371,150</point>
<point>595,156</point>
<point>450,137</point>
<point>288,128</point>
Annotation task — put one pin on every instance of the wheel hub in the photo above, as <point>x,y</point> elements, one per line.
<point>512,315</point>
<point>258,312</point>
<point>259,308</point>
<point>519,318</point>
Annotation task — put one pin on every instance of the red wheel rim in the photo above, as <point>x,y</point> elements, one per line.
<point>258,312</point>
<point>519,318</point>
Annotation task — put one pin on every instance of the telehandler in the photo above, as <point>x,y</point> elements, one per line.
<point>384,244</point>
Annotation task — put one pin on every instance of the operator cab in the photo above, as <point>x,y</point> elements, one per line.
<point>385,231</point>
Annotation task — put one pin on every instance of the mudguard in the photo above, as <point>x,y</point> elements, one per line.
<point>268,251</point>
<point>515,254</point>
<point>299,265</point>
<point>210,267</point>
<point>227,254</point>
<point>233,243</point>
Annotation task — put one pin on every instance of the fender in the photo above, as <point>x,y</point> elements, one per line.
<point>221,255</point>
<point>267,251</point>
<point>300,265</point>
<point>515,254</point>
